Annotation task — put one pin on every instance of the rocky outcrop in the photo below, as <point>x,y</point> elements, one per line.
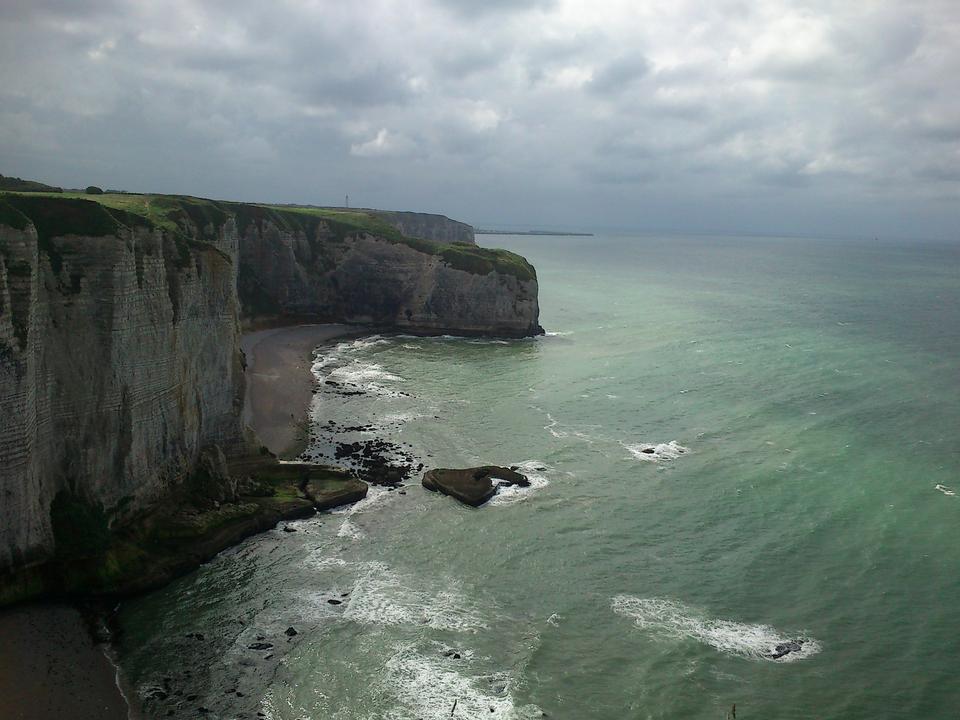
<point>426,226</point>
<point>121,380</point>
<point>472,486</point>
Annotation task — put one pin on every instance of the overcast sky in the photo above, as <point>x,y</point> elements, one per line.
<point>752,116</point>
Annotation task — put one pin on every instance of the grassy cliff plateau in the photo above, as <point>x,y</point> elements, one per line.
<point>121,373</point>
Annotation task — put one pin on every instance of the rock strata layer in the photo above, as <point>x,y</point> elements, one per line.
<point>121,376</point>
<point>472,486</point>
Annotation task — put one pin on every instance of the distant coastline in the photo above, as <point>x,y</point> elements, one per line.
<point>480,231</point>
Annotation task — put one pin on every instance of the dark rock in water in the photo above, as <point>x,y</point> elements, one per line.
<point>260,646</point>
<point>785,649</point>
<point>287,528</point>
<point>290,632</point>
<point>648,451</point>
<point>472,486</point>
<point>335,602</point>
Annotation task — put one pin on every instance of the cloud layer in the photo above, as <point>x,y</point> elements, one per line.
<point>800,117</point>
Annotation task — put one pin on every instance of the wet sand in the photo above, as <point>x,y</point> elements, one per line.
<point>51,669</point>
<point>280,384</point>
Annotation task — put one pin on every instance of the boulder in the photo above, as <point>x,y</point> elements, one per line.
<point>472,486</point>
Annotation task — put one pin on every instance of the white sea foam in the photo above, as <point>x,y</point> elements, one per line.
<point>326,563</point>
<point>382,597</point>
<point>362,373</point>
<point>945,490</point>
<point>656,452</point>
<point>550,428</point>
<point>672,619</point>
<point>426,687</point>
<point>509,494</point>
<point>376,496</point>
<point>348,529</point>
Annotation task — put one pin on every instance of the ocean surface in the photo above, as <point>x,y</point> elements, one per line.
<point>801,399</point>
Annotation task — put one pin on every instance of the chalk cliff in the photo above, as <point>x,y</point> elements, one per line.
<point>425,226</point>
<point>119,335</point>
<point>307,266</point>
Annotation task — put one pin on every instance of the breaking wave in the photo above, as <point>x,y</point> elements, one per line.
<point>535,473</point>
<point>431,688</point>
<point>672,619</point>
<point>656,452</point>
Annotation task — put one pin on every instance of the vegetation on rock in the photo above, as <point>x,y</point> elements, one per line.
<point>181,214</point>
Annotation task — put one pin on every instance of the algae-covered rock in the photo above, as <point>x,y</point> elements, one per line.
<point>472,486</point>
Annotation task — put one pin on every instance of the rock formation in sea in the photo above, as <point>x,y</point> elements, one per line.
<point>120,365</point>
<point>472,486</point>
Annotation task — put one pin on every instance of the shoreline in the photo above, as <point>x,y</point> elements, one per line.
<point>52,663</point>
<point>52,667</point>
<point>279,383</point>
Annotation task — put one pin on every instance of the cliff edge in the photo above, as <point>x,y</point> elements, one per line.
<point>120,365</point>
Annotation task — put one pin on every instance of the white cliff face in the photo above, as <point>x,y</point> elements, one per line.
<point>119,345</point>
<point>128,368</point>
<point>426,226</point>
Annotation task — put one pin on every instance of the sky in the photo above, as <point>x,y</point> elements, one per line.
<point>773,116</point>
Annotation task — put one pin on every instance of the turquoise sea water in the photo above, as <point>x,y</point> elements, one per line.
<point>802,398</point>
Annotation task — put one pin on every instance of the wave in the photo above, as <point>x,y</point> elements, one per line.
<point>358,373</point>
<point>534,471</point>
<point>656,452</point>
<point>431,688</point>
<point>673,619</point>
<point>381,597</point>
<point>375,496</point>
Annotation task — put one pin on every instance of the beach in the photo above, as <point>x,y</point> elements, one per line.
<point>280,384</point>
<point>50,667</point>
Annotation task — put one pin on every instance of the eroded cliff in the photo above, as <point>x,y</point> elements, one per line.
<point>308,266</point>
<point>119,337</point>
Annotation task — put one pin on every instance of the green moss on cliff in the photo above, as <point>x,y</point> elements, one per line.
<point>11,217</point>
<point>481,261</point>
<point>180,215</point>
<point>56,216</point>
<point>80,528</point>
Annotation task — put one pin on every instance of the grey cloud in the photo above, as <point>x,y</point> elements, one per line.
<point>478,104</point>
<point>474,8</point>
<point>619,75</point>
<point>368,86</point>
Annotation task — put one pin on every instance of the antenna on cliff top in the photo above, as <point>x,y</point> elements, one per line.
<point>346,201</point>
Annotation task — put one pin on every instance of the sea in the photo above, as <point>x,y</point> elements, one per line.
<point>744,456</point>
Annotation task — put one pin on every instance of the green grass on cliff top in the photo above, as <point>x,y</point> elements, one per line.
<point>169,212</point>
